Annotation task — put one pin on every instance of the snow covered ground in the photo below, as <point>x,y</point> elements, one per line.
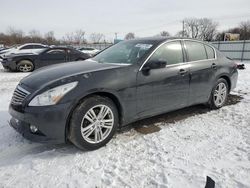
<point>192,144</point>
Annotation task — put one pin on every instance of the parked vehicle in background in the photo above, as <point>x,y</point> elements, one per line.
<point>26,62</point>
<point>85,102</point>
<point>5,50</point>
<point>26,48</point>
<point>2,47</point>
<point>90,51</point>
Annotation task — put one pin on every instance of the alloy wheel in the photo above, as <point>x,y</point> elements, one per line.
<point>25,68</point>
<point>97,124</point>
<point>220,94</point>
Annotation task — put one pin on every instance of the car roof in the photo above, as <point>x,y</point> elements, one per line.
<point>33,44</point>
<point>162,39</point>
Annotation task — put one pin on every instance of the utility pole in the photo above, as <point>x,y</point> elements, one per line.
<point>182,28</point>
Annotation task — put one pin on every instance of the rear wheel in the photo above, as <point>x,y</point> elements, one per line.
<point>93,123</point>
<point>219,94</point>
<point>25,66</point>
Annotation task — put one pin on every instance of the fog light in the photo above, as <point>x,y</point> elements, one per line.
<point>33,128</point>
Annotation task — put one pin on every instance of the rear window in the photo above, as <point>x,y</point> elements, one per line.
<point>195,50</point>
<point>210,52</point>
<point>38,47</point>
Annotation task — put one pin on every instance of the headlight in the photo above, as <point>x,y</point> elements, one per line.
<point>53,95</point>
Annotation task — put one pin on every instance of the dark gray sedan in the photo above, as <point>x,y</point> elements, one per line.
<point>86,103</point>
<point>29,61</point>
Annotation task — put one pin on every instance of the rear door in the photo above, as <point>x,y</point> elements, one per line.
<point>166,88</point>
<point>203,66</point>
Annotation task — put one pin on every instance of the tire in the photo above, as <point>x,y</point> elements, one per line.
<point>216,102</point>
<point>25,66</point>
<point>83,132</point>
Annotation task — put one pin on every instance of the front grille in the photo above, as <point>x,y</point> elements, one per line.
<point>19,95</point>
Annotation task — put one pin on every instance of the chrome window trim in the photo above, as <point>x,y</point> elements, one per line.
<point>183,63</point>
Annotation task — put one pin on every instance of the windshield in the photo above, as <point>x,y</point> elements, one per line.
<point>127,52</point>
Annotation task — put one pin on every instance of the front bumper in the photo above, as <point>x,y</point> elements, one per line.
<point>8,64</point>
<point>50,120</point>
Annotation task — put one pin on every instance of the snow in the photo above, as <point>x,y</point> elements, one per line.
<point>196,144</point>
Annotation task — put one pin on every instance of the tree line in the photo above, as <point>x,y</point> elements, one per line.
<point>15,36</point>
<point>200,28</point>
<point>204,29</point>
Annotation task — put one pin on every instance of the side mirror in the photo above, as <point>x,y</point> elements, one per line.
<point>154,64</point>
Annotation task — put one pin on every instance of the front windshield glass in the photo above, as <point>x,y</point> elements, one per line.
<point>126,52</point>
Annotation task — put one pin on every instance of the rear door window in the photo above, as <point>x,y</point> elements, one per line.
<point>195,51</point>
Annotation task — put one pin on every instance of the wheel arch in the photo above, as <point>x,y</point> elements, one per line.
<point>27,59</point>
<point>107,94</point>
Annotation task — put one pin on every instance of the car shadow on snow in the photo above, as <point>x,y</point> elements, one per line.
<point>148,125</point>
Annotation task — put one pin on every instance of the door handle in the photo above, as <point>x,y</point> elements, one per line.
<point>214,66</point>
<point>182,72</point>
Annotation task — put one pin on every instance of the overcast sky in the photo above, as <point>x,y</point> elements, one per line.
<point>143,17</point>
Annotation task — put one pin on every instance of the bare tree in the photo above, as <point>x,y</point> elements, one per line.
<point>15,35</point>
<point>245,30</point>
<point>34,33</point>
<point>96,37</point>
<point>69,38</point>
<point>129,36</point>
<point>79,36</point>
<point>76,37</point>
<point>203,28</point>
<point>50,38</point>
<point>164,34</point>
<point>208,29</point>
<point>35,36</point>
<point>191,27</point>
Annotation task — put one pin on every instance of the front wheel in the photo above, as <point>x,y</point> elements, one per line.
<point>25,66</point>
<point>219,94</point>
<point>93,123</point>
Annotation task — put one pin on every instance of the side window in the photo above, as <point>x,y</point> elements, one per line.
<point>56,51</point>
<point>195,50</point>
<point>38,47</point>
<point>26,47</point>
<point>170,52</point>
<point>210,52</point>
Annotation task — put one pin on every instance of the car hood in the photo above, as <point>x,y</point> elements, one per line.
<point>50,74</point>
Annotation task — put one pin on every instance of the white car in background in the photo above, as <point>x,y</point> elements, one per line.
<point>90,51</point>
<point>26,48</point>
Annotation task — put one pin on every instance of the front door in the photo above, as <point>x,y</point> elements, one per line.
<point>52,56</point>
<point>167,88</point>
